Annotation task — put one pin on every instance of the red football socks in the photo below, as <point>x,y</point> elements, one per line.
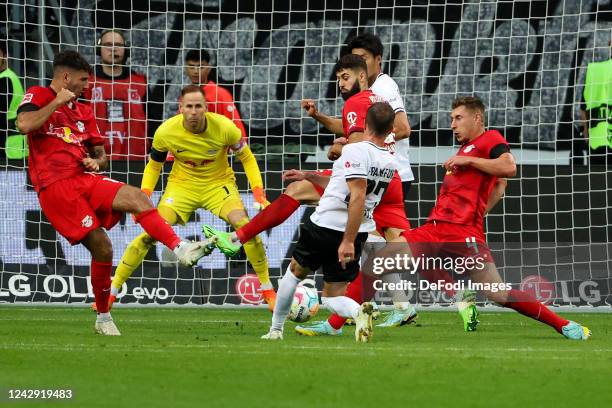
<point>158,228</point>
<point>274,214</point>
<point>526,304</point>
<point>101,282</point>
<point>353,291</point>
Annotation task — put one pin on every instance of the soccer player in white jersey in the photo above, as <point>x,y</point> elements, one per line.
<point>369,47</point>
<point>333,237</point>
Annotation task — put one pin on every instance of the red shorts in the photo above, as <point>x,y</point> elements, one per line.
<point>436,238</point>
<point>77,205</point>
<point>390,213</point>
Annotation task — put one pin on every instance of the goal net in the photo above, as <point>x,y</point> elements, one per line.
<point>527,60</point>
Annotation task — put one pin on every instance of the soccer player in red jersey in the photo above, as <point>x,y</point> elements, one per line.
<point>66,156</point>
<point>473,184</point>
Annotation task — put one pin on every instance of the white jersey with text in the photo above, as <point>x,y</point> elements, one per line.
<point>358,160</point>
<point>385,87</point>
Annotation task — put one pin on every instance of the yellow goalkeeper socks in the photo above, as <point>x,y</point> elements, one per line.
<point>256,255</point>
<point>132,257</point>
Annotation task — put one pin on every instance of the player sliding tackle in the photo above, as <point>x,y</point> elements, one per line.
<point>66,156</point>
<point>473,184</point>
<point>200,178</point>
<point>333,237</point>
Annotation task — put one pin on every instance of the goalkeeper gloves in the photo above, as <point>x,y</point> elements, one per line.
<point>261,201</point>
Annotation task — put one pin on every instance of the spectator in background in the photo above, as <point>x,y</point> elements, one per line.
<point>118,96</point>
<point>218,99</point>
<point>596,111</point>
<point>14,145</point>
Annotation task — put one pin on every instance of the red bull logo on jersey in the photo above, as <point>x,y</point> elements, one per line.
<point>66,134</point>
<point>191,163</point>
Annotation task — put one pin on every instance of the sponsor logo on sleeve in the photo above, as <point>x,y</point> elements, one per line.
<point>87,221</point>
<point>351,117</point>
<point>27,98</point>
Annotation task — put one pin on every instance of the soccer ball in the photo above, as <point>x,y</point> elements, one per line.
<point>305,302</point>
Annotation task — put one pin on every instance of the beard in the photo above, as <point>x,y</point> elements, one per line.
<point>353,91</point>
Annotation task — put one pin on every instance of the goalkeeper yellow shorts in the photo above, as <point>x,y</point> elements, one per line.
<point>220,199</point>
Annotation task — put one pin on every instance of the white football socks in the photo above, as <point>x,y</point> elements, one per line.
<point>399,297</point>
<point>343,306</point>
<point>284,299</point>
<point>104,317</point>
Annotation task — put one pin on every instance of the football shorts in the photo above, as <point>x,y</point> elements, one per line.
<point>77,205</point>
<point>219,199</point>
<point>317,248</point>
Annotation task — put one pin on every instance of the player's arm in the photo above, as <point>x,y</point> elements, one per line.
<point>152,171</point>
<point>401,126</point>
<point>335,150</point>
<point>97,160</point>
<point>251,168</point>
<point>496,194</point>
<point>313,177</point>
<point>30,119</point>
<point>503,166</point>
<point>500,164</point>
<point>332,124</point>
<point>356,206</point>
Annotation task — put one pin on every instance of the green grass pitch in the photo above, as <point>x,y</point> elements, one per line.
<point>214,358</point>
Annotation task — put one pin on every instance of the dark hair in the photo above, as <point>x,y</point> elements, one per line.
<point>72,60</point>
<point>351,61</point>
<point>3,47</point>
<point>369,42</point>
<point>197,55</point>
<point>190,89</point>
<point>471,102</point>
<point>380,118</point>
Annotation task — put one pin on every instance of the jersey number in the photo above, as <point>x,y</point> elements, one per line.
<point>373,187</point>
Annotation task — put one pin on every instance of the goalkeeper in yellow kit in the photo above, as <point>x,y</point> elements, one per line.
<point>200,178</point>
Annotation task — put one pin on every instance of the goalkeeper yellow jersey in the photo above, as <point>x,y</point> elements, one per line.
<point>199,158</point>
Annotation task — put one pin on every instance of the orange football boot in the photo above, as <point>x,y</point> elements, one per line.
<point>111,300</point>
<point>269,296</point>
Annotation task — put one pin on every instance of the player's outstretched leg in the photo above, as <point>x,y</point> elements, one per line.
<point>276,213</point>
<point>273,215</point>
<point>132,200</point>
<point>526,304</point>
